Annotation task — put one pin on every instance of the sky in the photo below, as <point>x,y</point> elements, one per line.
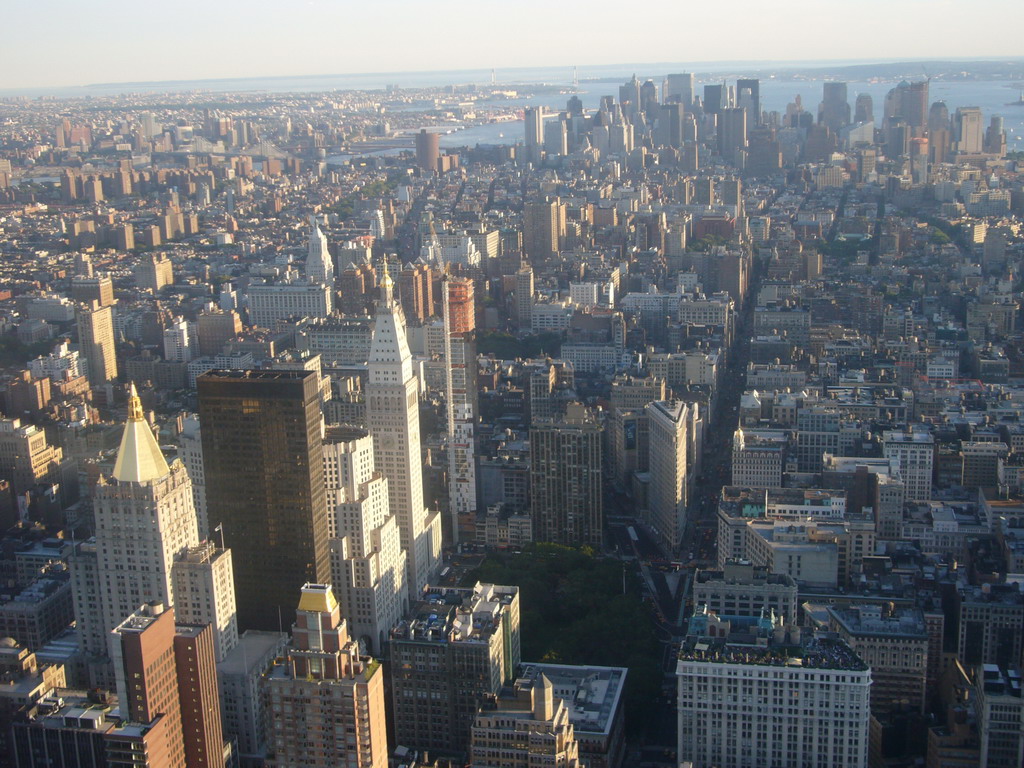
<point>54,43</point>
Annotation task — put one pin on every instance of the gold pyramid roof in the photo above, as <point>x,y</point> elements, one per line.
<point>139,459</point>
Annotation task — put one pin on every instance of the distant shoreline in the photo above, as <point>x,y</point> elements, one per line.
<point>937,69</point>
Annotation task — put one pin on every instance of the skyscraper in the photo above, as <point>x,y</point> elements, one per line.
<point>939,134</point>
<point>556,137</point>
<point>154,272</point>
<point>914,449</point>
<point>327,701</point>
<point>629,97</point>
<point>908,102</point>
<point>96,342</point>
<point>144,519</point>
<point>565,478</point>
<point>195,662</point>
<point>263,462</point>
<point>416,291</point>
<point>969,135</point>
<point>167,681</point>
<point>649,100</point>
<point>995,137</point>
<point>204,593</point>
<point>460,375</point>
<point>27,460</point>
<point>215,328</point>
<point>428,149</point>
<point>543,226</point>
<point>669,131</point>
<point>393,417</point>
<point>732,133</point>
<point>668,436</point>
<point>524,297</point>
<point>446,657</point>
<point>679,88</point>
<point>748,98</point>
<point>915,105</point>
<point>751,726</point>
<point>715,96</point>
<point>190,451</point>
<point>319,264</point>
<point>272,303</point>
<point>864,110</point>
<point>835,106</point>
<point>89,288</point>
<point>367,560</point>
<point>526,726</point>
<point>178,347</point>
<point>533,123</point>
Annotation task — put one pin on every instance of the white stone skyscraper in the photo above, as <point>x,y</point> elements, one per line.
<point>204,593</point>
<point>144,519</point>
<point>772,695</point>
<point>392,412</point>
<point>190,451</point>
<point>319,264</point>
<point>367,560</point>
<point>178,345</point>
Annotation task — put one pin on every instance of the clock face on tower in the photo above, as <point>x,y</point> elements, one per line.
<point>387,440</point>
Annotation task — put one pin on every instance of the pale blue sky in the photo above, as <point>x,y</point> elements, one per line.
<point>48,43</point>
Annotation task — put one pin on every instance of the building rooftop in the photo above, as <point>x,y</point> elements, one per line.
<point>1007,594</point>
<point>744,572</point>
<point>86,710</point>
<point>317,598</point>
<point>456,614</point>
<point>61,649</point>
<point>204,552</point>
<point>815,653</point>
<point>903,436</point>
<point>263,374</point>
<point>39,590</point>
<point>189,630</point>
<point>1001,681</point>
<point>592,694</point>
<point>252,649</point>
<point>874,621</point>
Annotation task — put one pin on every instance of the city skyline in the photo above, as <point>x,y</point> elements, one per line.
<point>330,405</point>
<point>189,45</point>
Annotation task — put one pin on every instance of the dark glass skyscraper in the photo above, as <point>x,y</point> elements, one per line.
<point>714,98</point>
<point>748,96</point>
<point>263,460</point>
<point>834,110</point>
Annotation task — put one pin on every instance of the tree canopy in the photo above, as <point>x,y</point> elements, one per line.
<point>573,610</point>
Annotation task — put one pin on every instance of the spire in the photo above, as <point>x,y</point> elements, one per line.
<point>134,404</point>
<point>139,459</point>
<point>387,285</point>
<point>319,264</point>
<point>389,348</point>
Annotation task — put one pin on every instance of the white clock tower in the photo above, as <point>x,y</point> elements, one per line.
<point>392,410</point>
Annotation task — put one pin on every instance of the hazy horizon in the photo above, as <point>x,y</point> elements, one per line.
<point>53,44</point>
<point>554,75</point>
